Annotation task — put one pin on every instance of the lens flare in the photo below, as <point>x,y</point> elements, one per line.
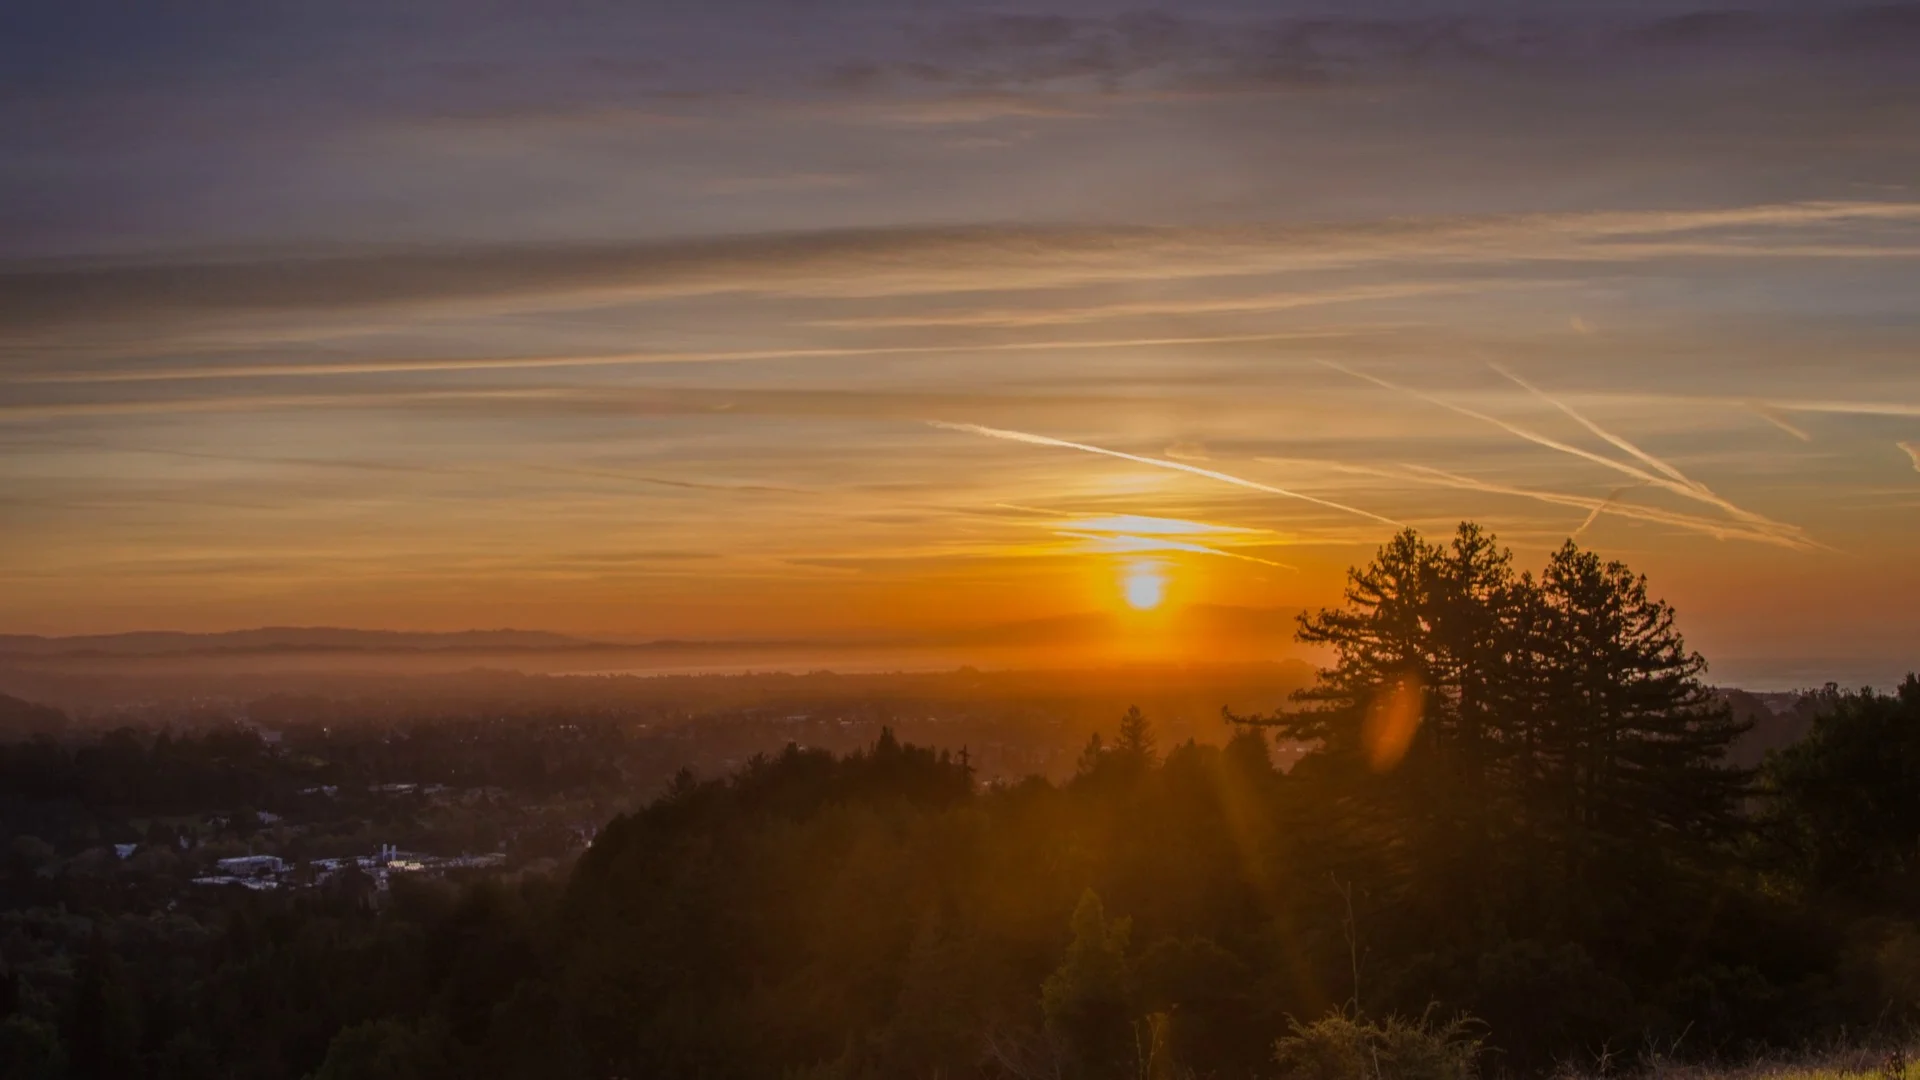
<point>1145,586</point>
<point>1391,722</point>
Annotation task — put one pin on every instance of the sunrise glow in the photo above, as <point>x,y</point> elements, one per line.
<point>1145,586</point>
<point>981,539</point>
<point>911,327</point>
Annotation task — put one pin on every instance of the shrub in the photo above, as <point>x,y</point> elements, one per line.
<point>1340,1047</point>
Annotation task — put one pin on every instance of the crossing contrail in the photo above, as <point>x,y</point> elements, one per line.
<point>1685,488</point>
<point>1719,530</point>
<point>1616,441</point>
<point>1594,515</point>
<point>1716,529</point>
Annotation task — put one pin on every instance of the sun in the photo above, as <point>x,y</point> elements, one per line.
<point>1144,585</point>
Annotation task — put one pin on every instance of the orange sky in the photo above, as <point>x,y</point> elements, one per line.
<point>754,348</point>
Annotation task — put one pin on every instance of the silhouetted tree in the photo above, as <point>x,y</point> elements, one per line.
<point>1844,802</point>
<point>383,1050</point>
<point>1540,729</point>
<point>103,1028</point>
<point>1628,737</point>
<point>1091,756</point>
<point>1087,1000</point>
<point>1135,741</point>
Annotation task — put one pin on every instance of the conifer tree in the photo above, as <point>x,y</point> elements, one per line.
<point>1549,725</point>
<point>1087,999</point>
<point>103,1028</point>
<point>1136,740</point>
<point>1630,740</point>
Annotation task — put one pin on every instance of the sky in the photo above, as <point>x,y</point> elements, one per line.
<point>744,319</point>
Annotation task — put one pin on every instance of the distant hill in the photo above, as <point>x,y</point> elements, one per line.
<point>1260,629</point>
<point>285,639</point>
<point>21,719</point>
<point>1779,720</point>
<point>1206,621</point>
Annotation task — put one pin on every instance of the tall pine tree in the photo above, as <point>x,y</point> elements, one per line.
<point>1546,728</point>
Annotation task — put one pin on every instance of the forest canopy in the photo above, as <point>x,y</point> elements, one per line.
<point>1515,839</point>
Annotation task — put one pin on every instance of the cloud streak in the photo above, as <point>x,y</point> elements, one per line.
<point>42,298</point>
<point>1158,463</point>
<point>148,374</point>
<point>1128,544</point>
<point>1852,408</point>
<point>1772,416</point>
<point>1265,302</point>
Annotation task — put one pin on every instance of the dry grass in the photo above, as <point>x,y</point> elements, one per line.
<point>1850,1063</point>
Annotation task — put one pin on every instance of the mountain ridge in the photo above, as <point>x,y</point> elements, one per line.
<point>1207,619</point>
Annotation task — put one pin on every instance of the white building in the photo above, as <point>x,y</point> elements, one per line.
<point>251,865</point>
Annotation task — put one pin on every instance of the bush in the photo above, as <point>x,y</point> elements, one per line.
<point>1339,1047</point>
<point>384,1050</point>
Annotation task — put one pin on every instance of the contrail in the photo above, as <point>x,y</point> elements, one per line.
<point>1616,441</point>
<point>663,481</point>
<point>516,363</point>
<point>248,459</point>
<point>1126,542</point>
<point>1438,477</point>
<point>1772,408</point>
<point>1504,425</point>
<point>1595,514</point>
<point>1158,463</point>
<point>1015,317</point>
<point>1717,530</point>
<point>1856,408</point>
<point>1687,490</point>
<point>1772,416</point>
<point>382,466</point>
<point>1700,490</point>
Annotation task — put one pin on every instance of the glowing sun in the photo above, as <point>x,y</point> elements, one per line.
<point>1144,585</point>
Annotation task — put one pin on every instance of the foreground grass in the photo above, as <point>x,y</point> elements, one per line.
<point>1852,1063</point>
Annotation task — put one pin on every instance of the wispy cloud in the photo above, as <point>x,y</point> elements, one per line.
<point>1128,544</point>
<point>1158,463</point>
<point>1913,451</point>
<point>1854,408</point>
<point>1157,526</point>
<point>662,481</point>
<point>257,402</point>
<point>903,261</point>
<point>758,185</point>
<point>946,110</point>
<point>160,373</point>
<point>1135,534</point>
<point>1286,301</point>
